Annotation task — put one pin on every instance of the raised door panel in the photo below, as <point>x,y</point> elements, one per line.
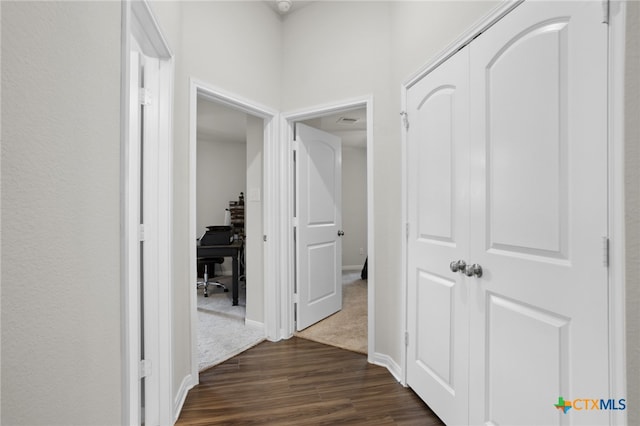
<point>435,307</point>
<point>436,174</point>
<point>527,358</point>
<point>321,184</point>
<point>526,92</point>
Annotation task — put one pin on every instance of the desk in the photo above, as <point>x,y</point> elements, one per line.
<point>227,250</point>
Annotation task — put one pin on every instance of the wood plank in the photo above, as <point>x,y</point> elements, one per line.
<point>300,382</point>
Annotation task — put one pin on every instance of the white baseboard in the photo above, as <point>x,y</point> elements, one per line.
<point>187,384</point>
<point>387,362</point>
<point>346,268</point>
<point>254,324</point>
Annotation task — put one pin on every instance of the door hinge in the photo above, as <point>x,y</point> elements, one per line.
<point>405,119</point>
<point>605,11</point>
<point>264,238</point>
<point>145,368</point>
<point>605,252</point>
<point>296,298</point>
<point>406,338</point>
<point>140,232</point>
<point>144,96</point>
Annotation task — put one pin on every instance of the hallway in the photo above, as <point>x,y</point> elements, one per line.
<point>300,382</point>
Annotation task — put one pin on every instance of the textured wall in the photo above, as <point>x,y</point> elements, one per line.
<point>221,176</point>
<point>253,221</point>
<point>61,354</point>
<point>354,206</point>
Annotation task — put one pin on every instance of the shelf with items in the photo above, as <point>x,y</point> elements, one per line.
<point>236,210</point>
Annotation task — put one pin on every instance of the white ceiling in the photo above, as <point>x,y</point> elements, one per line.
<point>353,134</point>
<point>220,123</point>
<point>295,6</point>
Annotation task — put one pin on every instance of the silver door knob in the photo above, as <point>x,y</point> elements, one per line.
<point>472,270</point>
<point>340,233</point>
<point>457,265</point>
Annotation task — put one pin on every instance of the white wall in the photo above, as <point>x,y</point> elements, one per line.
<point>254,246</point>
<point>61,315</point>
<point>354,207</point>
<point>221,176</point>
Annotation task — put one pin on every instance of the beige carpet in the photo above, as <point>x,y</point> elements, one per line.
<point>222,332</point>
<point>346,329</point>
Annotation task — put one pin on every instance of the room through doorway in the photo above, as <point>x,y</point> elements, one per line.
<point>348,328</point>
<point>228,211</point>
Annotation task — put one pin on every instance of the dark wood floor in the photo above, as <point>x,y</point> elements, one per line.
<point>300,382</point>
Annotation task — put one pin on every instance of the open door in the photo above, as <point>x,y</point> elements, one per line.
<point>319,219</point>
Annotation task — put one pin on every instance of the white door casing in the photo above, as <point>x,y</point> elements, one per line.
<point>319,218</point>
<point>142,39</point>
<point>537,161</point>
<point>438,206</point>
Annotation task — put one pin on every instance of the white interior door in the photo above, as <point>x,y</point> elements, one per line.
<point>539,319</point>
<point>438,206</point>
<point>319,218</point>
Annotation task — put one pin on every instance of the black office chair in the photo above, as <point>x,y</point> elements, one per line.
<point>203,266</point>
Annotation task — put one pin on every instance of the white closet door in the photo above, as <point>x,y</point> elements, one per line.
<point>438,208</point>
<point>538,316</point>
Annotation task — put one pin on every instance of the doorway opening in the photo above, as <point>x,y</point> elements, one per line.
<point>227,140</point>
<point>352,327</point>
<point>228,212</point>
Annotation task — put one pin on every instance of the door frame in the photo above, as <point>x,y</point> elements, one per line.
<point>139,23</point>
<point>287,175</point>
<point>616,176</point>
<point>199,88</point>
